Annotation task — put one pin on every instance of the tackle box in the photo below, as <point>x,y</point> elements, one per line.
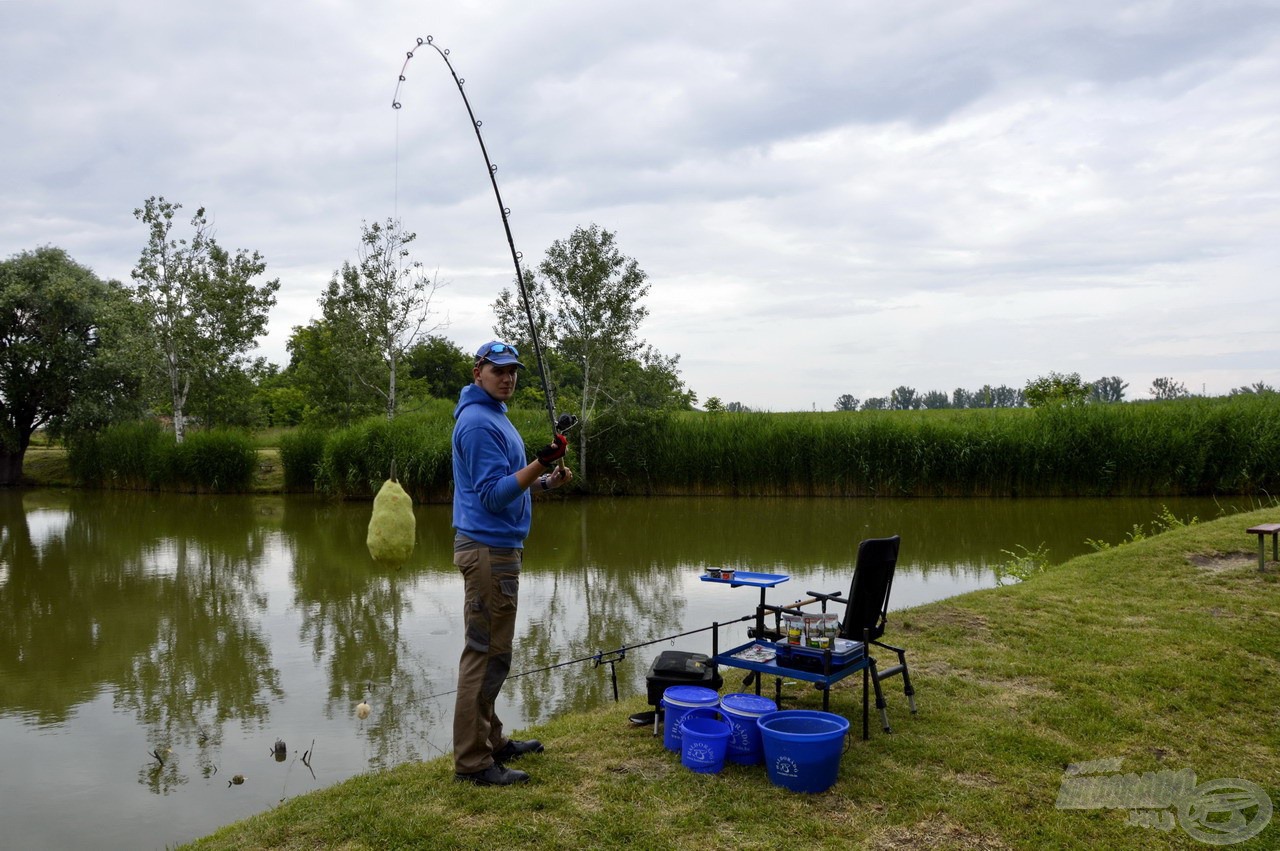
<point>680,668</point>
<point>844,653</point>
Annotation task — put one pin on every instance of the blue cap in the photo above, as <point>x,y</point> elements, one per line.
<point>499,353</point>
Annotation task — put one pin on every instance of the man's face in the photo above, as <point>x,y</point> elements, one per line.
<point>498,381</point>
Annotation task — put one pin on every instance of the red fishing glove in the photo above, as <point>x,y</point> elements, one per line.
<point>553,452</point>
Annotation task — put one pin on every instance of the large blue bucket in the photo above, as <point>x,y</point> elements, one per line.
<point>703,741</point>
<point>742,711</point>
<point>678,700</point>
<point>802,748</point>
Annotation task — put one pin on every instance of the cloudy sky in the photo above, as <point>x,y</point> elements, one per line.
<point>828,197</point>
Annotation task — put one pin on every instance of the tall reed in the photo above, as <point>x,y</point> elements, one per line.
<point>1192,446</point>
<point>143,456</point>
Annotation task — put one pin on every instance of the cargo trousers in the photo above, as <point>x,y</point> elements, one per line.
<point>491,578</point>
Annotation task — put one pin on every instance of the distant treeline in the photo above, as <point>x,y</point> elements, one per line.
<point>1193,446</point>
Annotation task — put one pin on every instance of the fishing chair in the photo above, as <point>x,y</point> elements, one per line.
<point>866,611</point>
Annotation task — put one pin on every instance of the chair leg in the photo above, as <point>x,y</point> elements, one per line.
<point>880,702</point>
<point>900,668</point>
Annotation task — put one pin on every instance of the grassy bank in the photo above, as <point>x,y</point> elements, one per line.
<point>1160,653</point>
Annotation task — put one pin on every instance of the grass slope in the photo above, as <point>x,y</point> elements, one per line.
<point>1163,653</point>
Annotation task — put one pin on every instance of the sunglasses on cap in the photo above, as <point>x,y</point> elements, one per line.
<point>497,349</point>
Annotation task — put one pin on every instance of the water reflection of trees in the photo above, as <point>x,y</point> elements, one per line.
<point>155,601</point>
<point>354,614</point>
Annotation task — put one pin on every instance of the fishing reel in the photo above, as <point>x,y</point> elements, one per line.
<point>565,422</point>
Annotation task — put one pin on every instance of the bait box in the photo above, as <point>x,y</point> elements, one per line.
<point>844,653</point>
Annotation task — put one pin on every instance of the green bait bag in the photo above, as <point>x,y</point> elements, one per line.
<point>392,527</point>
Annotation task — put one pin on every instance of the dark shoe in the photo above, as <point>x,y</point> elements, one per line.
<point>495,775</point>
<point>514,750</point>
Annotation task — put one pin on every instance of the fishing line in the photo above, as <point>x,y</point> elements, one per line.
<point>516,256</point>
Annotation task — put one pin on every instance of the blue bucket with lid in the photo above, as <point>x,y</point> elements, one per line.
<point>742,711</point>
<point>676,702</point>
<point>802,748</point>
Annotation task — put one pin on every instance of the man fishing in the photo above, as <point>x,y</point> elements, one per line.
<point>492,510</point>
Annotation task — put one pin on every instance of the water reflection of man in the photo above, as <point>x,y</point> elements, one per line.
<point>491,514</point>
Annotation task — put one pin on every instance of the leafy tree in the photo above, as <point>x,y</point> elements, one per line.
<point>1006,397</point>
<point>984,397</point>
<point>904,399</point>
<point>1057,390</point>
<point>1258,388</point>
<point>320,370</point>
<point>69,358</point>
<point>1167,388</point>
<point>737,408</point>
<point>594,293</point>
<point>714,405</point>
<point>1108,389</point>
<point>935,399</point>
<point>441,366</point>
<point>961,398</point>
<point>875,403</point>
<point>379,308</point>
<point>203,309</point>
<point>847,403</point>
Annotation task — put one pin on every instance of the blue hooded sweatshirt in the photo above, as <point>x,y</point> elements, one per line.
<point>488,504</point>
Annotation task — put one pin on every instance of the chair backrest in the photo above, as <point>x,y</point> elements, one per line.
<point>869,592</point>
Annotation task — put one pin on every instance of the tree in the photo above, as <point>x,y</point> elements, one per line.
<point>379,308</point>
<point>875,403</point>
<point>1167,388</point>
<point>847,403</point>
<point>714,405</point>
<point>904,399</point>
<point>1258,388</point>
<point>961,398</point>
<point>68,353</point>
<point>441,366</point>
<point>594,293</point>
<point>319,368</point>
<point>935,399</point>
<point>1057,390</point>
<point>203,308</point>
<point>1108,389</point>
<point>1005,396</point>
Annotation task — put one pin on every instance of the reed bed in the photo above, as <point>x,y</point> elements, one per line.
<point>1185,447</point>
<point>356,460</point>
<point>145,456</point>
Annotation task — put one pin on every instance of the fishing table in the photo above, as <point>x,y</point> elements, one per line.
<point>760,656</point>
<point>1262,530</point>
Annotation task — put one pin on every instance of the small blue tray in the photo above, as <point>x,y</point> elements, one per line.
<point>747,577</point>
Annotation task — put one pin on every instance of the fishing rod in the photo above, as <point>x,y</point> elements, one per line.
<point>565,421</point>
<point>600,657</point>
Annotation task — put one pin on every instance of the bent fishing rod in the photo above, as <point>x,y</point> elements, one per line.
<point>565,421</point>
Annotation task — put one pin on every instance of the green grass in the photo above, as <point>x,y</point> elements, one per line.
<point>1162,652</point>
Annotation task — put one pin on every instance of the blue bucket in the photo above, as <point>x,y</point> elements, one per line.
<point>704,740</point>
<point>678,700</point>
<point>742,711</point>
<point>802,748</point>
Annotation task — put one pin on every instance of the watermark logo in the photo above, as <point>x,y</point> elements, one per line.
<point>1219,812</point>
<point>785,766</point>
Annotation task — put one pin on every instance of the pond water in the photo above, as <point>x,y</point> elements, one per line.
<point>152,647</point>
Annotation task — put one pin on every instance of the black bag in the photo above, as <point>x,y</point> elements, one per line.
<point>680,668</point>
